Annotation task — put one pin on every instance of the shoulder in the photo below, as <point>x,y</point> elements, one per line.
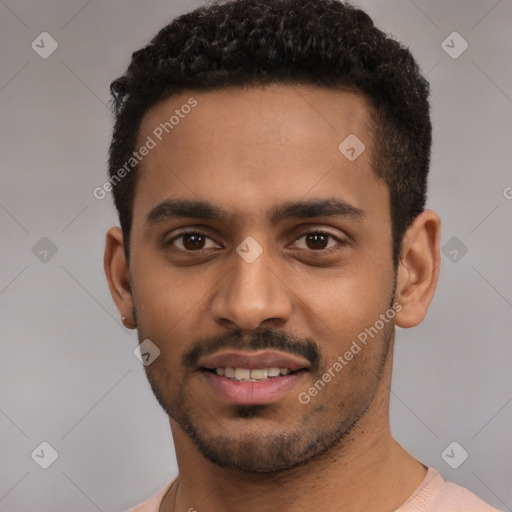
<point>436,495</point>
<point>153,503</point>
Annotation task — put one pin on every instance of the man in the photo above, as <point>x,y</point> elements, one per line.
<point>269,165</point>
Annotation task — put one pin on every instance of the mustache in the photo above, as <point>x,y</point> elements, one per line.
<point>263,339</point>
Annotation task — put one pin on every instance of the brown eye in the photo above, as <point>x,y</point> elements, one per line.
<point>193,242</point>
<point>190,241</point>
<point>318,241</point>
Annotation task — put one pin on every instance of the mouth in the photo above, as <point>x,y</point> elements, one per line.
<point>252,378</point>
<point>250,375</point>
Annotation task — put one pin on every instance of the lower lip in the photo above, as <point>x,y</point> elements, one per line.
<point>252,393</point>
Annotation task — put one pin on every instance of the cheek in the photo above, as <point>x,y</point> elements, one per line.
<point>341,312</point>
<point>164,301</point>
<point>346,299</point>
<point>166,293</point>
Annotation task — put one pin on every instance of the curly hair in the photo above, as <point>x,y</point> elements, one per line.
<point>312,42</point>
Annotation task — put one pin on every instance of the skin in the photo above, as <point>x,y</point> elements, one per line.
<point>247,151</point>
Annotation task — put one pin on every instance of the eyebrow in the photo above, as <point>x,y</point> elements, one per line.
<point>205,210</point>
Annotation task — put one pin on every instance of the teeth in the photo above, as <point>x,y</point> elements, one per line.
<point>253,375</point>
<point>259,374</point>
<point>242,373</point>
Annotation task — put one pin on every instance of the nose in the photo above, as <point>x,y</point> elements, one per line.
<point>252,294</point>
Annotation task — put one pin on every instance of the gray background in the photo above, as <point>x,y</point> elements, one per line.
<point>68,375</point>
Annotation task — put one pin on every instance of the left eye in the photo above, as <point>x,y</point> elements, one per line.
<point>318,240</point>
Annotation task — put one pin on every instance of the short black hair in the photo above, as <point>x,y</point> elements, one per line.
<point>298,42</point>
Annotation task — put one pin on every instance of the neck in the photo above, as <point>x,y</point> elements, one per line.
<point>368,470</point>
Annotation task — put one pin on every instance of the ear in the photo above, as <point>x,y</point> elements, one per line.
<point>118,276</point>
<point>418,270</point>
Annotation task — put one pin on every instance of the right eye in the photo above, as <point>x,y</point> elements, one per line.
<point>190,241</point>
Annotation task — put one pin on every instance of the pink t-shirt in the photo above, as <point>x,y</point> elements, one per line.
<point>433,495</point>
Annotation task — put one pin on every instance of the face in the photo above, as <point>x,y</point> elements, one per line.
<point>256,245</point>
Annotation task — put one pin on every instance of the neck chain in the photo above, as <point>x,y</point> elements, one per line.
<point>166,495</point>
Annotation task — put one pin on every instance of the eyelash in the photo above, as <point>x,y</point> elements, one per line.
<point>328,250</point>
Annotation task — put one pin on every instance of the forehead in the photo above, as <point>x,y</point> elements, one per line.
<point>277,113</point>
<point>251,148</point>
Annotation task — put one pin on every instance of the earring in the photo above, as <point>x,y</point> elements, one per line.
<point>130,325</point>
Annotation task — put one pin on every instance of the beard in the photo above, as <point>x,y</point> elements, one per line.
<point>259,444</point>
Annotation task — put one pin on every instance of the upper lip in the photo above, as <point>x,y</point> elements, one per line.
<point>253,360</point>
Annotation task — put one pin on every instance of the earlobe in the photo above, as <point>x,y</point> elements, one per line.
<point>118,277</point>
<point>418,271</point>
